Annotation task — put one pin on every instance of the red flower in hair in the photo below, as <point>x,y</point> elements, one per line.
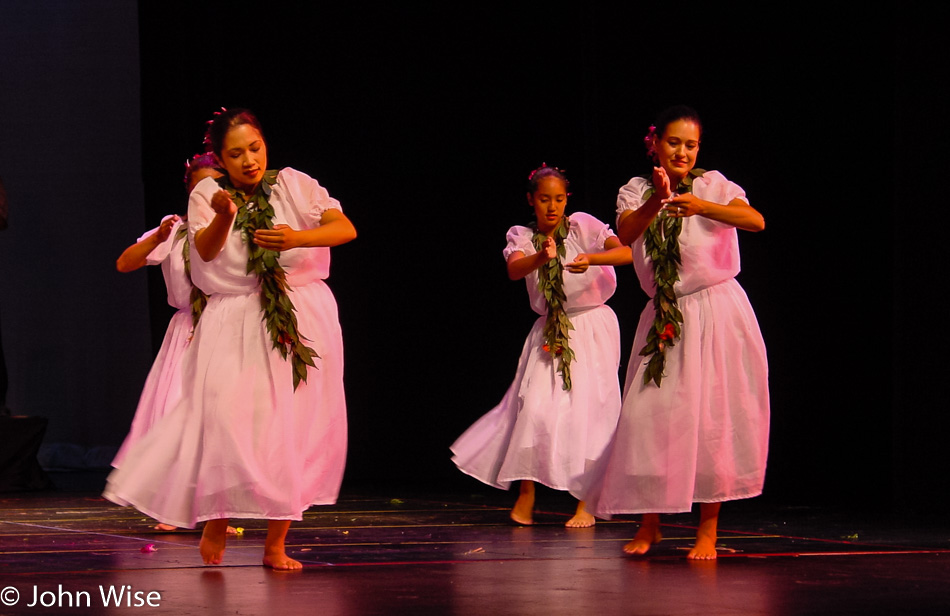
<point>648,141</point>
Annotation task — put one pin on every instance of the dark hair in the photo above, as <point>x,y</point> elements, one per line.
<point>677,112</point>
<point>667,117</point>
<point>205,160</point>
<point>225,120</point>
<point>535,177</point>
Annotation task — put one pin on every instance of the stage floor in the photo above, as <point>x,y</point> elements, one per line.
<point>399,553</point>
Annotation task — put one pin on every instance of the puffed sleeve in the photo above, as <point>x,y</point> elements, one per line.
<point>723,190</point>
<point>602,233</point>
<point>592,234</point>
<point>519,240</point>
<point>713,186</point>
<point>631,194</point>
<point>311,199</point>
<point>200,213</point>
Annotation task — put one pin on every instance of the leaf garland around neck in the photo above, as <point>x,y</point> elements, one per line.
<point>551,286</point>
<point>198,298</point>
<point>661,242</point>
<point>278,313</point>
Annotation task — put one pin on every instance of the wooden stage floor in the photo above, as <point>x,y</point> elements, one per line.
<point>404,554</point>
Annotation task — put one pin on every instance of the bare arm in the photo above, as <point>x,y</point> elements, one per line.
<point>210,240</point>
<point>614,253</point>
<point>136,255</point>
<point>632,223</point>
<point>737,213</point>
<point>335,229</point>
<point>520,265</point>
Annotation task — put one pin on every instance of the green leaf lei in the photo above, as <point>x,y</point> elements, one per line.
<point>255,212</point>
<point>198,298</point>
<point>661,241</point>
<point>551,286</point>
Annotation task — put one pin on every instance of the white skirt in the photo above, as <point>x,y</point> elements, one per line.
<point>540,432</point>
<point>241,443</point>
<point>703,435</point>
<point>163,385</point>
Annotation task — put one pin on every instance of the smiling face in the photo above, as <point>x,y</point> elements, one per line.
<point>244,156</point>
<point>677,148</point>
<point>549,201</point>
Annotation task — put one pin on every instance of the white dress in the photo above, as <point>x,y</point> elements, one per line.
<point>241,443</point>
<point>703,435</point>
<point>163,385</point>
<point>540,432</point>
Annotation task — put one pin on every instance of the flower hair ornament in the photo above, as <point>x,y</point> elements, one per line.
<point>543,167</point>
<point>207,138</point>
<point>650,141</point>
<point>548,172</point>
<point>204,160</point>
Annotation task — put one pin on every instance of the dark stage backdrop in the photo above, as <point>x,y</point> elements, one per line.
<point>75,333</point>
<point>424,122</point>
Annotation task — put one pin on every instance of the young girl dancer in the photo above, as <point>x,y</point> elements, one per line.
<point>695,420</point>
<point>260,431</point>
<point>562,407</point>
<point>167,246</point>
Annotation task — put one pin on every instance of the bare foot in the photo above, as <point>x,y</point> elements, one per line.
<point>275,554</point>
<point>648,535</point>
<point>523,511</point>
<point>279,561</point>
<point>705,548</point>
<point>520,519</point>
<point>213,540</point>
<point>581,518</point>
<point>231,530</point>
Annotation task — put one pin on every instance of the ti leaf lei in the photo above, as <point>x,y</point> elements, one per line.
<point>256,212</point>
<point>551,286</point>
<point>198,298</point>
<point>661,241</point>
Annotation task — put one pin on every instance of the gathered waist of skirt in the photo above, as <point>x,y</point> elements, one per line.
<point>255,291</point>
<point>573,312</point>
<point>707,287</point>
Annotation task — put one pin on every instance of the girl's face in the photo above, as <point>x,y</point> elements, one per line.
<point>549,201</point>
<point>244,156</point>
<point>677,148</point>
<point>199,174</point>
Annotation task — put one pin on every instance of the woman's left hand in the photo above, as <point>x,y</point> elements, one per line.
<point>579,265</point>
<point>681,206</point>
<point>280,238</point>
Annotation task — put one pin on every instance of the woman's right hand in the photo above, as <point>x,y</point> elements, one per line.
<point>661,182</point>
<point>549,249</point>
<point>221,203</point>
